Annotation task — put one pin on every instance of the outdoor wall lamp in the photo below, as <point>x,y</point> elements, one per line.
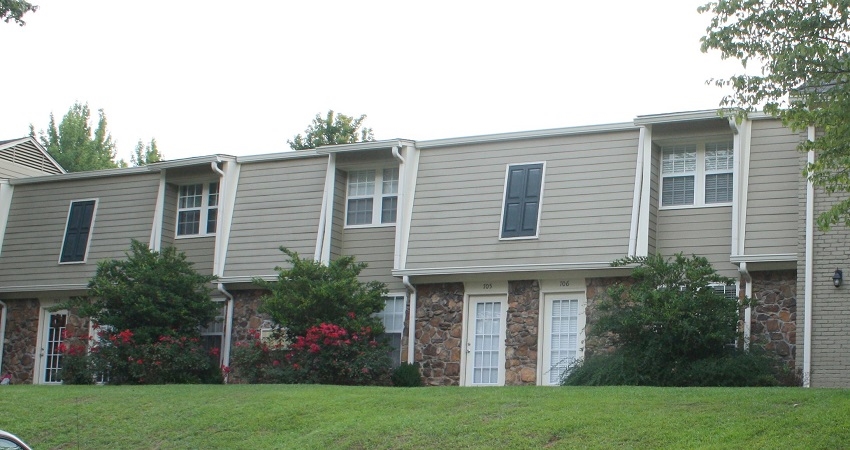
<point>837,277</point>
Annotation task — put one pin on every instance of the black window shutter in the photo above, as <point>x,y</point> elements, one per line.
<point>77,234</point>
<point>522,200</point>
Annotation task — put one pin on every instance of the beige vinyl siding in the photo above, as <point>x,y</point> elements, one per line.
<point>772,193</point>
<point>374,246</point>
<point>169,215</point>
<point>586,206</point>
<point>200,251</point>
<point>39,213</point>
<point>12,170</point>
<point>653,199</point>
<point>278,203</point>
<point>698,231</point>
<point>340,187</point>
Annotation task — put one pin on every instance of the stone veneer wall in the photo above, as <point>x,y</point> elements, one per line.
<point>245,315</point>
<point>21,338</point>
<point>597,291</point>
<point>439,328</point>
<point>522,331</point>
<point>773,322</point>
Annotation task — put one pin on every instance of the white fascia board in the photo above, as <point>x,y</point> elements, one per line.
<point>367,145</point>
<point>44,288</point>
<point>778,257</point>
<point>292,154</point>
<point>84,175</point>
<point>552,132</point>
<point>150,168</point>
<point>502,269</point>
<point>684,116</point>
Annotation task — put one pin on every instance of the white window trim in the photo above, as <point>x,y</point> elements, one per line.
<point>204,208</point>
<point>377,197</point>
<point>539,208</point>
<point>403,296</point>
<point>91,230</point>
<point>699,175</point>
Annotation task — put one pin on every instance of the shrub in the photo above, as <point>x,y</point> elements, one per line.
<point>148,309</point>
<point>327,354</point>
<point>671,328</point>
<point>407,375</point>
<point>77,366</point>
<point>310,293</point>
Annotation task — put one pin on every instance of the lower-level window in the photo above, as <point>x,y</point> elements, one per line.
<point>212,335</point>
<point>393,318</point>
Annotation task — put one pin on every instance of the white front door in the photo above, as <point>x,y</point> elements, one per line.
<point>563,334</point>
<point>51,355</point>
<point>485,345</point>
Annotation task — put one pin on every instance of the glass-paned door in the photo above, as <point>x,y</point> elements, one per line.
<point>563,337</point>
<point>485,361</point>
<point>52,359</point>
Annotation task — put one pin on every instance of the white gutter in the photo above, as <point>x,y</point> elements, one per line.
<point>320,235</point>
<point>6,190</point>
<point>156,228</point>
<point>633,229</point>
<point>228,328</point>
<point>411,320</point>
<point>399,207</point>
<point>3,310</point>
<point>810,214</point>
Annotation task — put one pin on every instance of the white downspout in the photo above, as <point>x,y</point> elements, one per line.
<point>642,245</point>
<point>810,214</point>
<point>228,328</point>
<point>411,320</point>
<point>633,230</point>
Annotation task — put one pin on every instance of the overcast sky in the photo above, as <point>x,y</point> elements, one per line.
<point>202,77</point>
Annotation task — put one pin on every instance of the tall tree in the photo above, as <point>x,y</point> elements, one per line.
<point>145,154</point>
<point>73,145</point>
<point>802,49</point>
<point>14,10</point>
<point>333,129</point>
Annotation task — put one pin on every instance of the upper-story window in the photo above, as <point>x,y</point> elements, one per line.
<point>697,174</point>
<point>75,246</point>
<point>523,192</point>
<point>197,209</point>
<point>372,197</point>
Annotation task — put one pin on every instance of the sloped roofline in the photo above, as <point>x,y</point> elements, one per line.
<point>15,142</point>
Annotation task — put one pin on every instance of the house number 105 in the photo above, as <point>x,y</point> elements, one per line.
<point>488,285</point>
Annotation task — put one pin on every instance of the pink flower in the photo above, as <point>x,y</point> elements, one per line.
<point>351,315</point>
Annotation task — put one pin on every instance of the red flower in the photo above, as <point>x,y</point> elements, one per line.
<point>225,369</point>
<point>61,348</point>
<point>214,351</point>
<point>364,370</point>
<point>351,315</point>
<point>139,361</point>
<point>275,363</point>
<point>314,348</point>
<point>296,366</point>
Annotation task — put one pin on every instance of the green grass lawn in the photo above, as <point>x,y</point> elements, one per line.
<point>331,417</point>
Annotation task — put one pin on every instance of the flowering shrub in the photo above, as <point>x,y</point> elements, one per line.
<point>77,366</point>
<point>326,354</point>
<point>118,359</point>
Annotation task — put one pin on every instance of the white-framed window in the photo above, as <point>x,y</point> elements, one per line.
<point>212,334</point>
<point>75,244</point>
<point>372,197</point>
<point>697,174</point>
<point>197,209</point>
<point>522,199</point>
<point>393,319</point>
